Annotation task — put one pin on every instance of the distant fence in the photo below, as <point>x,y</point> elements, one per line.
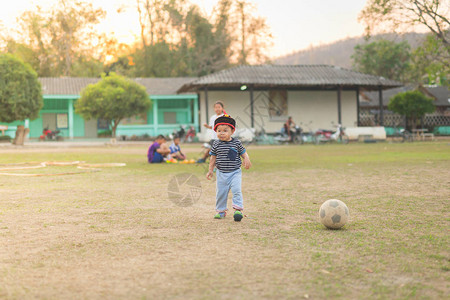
<point>369,117</point>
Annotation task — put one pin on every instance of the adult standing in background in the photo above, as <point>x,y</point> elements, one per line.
<point>289,128</point>
<point>219,109</point>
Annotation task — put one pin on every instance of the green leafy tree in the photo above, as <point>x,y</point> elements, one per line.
<point>113,98</point>
<point>383,58</point>
<point>20,91</point>
<point>430,62</point>
<point>411,104</point>
<point>125,65</point>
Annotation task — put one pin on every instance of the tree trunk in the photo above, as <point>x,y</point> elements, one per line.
<point>413,123</point>
<point>243,36</point>
<point>114,124</point>
<point>21,134</point>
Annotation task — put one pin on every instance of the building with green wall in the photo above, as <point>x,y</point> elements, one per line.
<point>169,110</point>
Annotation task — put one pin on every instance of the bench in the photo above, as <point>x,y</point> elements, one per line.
<point>428,135</point>
<point>422,134</point>
<point>3,128</point>
<point>366,138</point>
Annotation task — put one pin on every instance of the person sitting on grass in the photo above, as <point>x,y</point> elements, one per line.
<point>158,150</point>
<point>175,149</point>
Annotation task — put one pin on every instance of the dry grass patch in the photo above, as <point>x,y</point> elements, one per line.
<point>115,234</point>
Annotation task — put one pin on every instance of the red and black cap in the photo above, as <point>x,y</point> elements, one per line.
<point>225,120</point>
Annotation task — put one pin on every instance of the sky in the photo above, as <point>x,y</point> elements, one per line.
<point>295,24</point>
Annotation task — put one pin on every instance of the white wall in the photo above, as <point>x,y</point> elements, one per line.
<point>237,104</point>
<point>349,109</point>
<point>320,107</point>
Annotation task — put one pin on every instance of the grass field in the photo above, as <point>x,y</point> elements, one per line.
<point>114,234</point>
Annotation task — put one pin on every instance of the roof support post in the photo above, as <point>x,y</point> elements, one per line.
<point>27,125</point>
<point>70,117</point>
<point>189,109</point>
<point>357,107</point>
<point>206,105</point>
<point>339,91</point>
<point>252,115</point>
<point>155,117</point>
<point>196,112</point>
<point>380,102</point>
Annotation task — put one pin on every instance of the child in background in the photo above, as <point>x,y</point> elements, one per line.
<point>226,155</point>
<point>219,110</point>
<point>158,150</point>
<point>190,135</point>
<point>175,149</point>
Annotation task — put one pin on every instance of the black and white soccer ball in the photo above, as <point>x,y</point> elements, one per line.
<point>333,213</point>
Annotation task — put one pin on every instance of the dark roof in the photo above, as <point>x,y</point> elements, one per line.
<point>65,85</point>
<point>74,85</point>
<point>440,94</point>
<point>300,76</point>
<point>164,86</point>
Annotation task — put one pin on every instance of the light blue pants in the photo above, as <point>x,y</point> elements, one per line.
<point>226,182</point>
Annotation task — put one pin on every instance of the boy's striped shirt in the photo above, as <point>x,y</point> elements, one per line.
<point>228,154</point>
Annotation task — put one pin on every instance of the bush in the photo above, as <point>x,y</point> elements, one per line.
<point>411,104</point>
<point>104,133</point>
<point>5,139</point>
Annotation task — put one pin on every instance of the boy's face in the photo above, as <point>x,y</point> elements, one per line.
<point>161,141</point>
<point>176,141</point>
<point>224,132</point>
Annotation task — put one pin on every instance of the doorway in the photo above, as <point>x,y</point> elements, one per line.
<point>90,128</point>
<point>49,121</point>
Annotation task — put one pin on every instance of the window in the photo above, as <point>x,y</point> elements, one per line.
<point>135,120</point>
<point>278,108</point>
<point>61,121</point>
<point>103,124</point>
<point>170,117</point>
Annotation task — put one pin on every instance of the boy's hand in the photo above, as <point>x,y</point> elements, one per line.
<point>209,175</point>
<point>247,163</point>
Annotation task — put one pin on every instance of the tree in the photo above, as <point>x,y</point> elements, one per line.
<point>404,14</point>
<point>252,34</point>
<point>430,62</point>
<point>20,92</point>
<point>383,58</point>
<point>62,40</point>
<point>411,104</point>
<point>113,98</point>
<point>179,40</point>
<point>245,33</point>
<point>222,38</point>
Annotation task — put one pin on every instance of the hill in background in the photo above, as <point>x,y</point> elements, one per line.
<point>339,53</point>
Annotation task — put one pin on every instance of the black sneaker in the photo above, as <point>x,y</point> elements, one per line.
<point>238,216</point>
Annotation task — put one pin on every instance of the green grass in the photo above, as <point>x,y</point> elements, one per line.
<point>115,233</point>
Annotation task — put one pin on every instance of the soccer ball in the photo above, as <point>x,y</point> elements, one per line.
<point>333,213</point>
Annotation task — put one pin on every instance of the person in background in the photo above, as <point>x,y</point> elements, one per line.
<point>219,110</point>
<point>158,151</point>
<point>175,149</point>
<point>190,135</point>
<point>289,128</point>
